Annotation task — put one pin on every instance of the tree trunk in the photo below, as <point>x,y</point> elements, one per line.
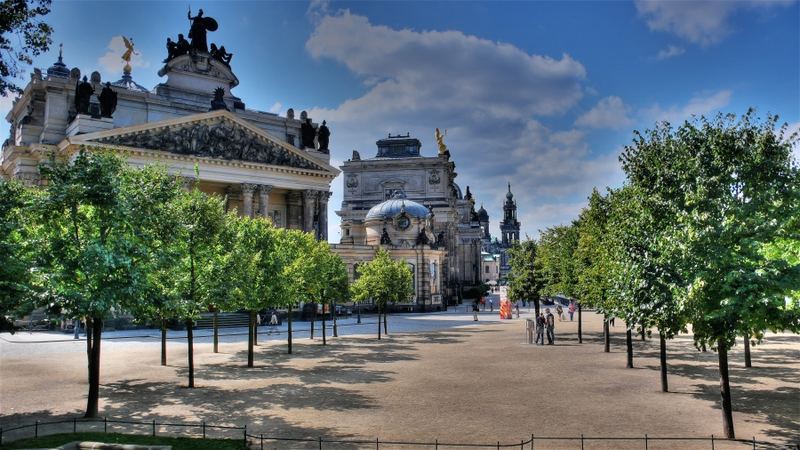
<point>725,390</point>
<point>333,311</point>
<point>324,337</point>
<point>94,368</point>
<point>663,354</point>
<point>313,319</point>
<point>379,322</point>
<point>747,361</point>
<point>289,329</point>
<point>251,337</point>
<point>580,325</point>
<point>215,326</point>
<point>164,342</point>
<point>190,343</point>
<point>88,331</point>
<point>536,307</point>
<point>385,320</point>
<point>629,344</point>
<point>606,337</point>
<point>643,332</point>
<point>358,312</point>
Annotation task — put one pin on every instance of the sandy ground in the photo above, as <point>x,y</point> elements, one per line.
<point>461,383</point>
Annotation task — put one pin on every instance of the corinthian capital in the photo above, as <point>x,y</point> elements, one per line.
<point>248,188</point>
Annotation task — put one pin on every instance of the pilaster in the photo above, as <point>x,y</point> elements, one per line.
<point>247,199</point>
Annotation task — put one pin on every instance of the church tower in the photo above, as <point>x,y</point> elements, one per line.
<point>509,227</point>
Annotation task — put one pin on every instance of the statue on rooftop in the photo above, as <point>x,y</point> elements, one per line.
<point>197,32</point>
<point>221,55</point>
<point>307,134</point>
<point>323,137</point>
<point>108,101</point>
<point>83,95</point>
<point>218,102</point>
<point>440,142</point>
<point>129,52</point>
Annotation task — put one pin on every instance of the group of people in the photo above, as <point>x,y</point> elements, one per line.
<point>545,326</point>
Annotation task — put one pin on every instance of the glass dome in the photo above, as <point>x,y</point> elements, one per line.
<point>397,204</point>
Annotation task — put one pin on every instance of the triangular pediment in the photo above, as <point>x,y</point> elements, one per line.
<point>216,134</point>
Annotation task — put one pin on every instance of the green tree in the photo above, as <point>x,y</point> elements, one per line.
<point>556,250</point>
<point>23,35</point>
<point>17,291</point>
<point>157,192</point>
<point>298,276</point>
<point>735,193</point>
<point>524,279</point>
<point>92,257</point>
<point>644,271</point>
<point>196,246</point>
<point>385,281</point>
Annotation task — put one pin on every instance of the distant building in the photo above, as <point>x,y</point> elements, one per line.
<point>509,231</point>
<point>399,172</point>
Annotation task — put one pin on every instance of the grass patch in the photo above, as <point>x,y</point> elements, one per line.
<point>177,443</point>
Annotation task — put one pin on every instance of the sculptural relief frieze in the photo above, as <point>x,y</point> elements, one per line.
<point>216,140</point>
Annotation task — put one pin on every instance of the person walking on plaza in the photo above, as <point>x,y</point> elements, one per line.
<point>475,311</point>
<point>540,323</point>
<point>550,327</point>
<point>491,305</point>
<point>273,322</point>
<point>560,312</point>
<point>516,307</point>
<point>571,309</point>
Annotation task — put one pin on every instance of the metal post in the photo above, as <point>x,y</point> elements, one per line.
<point>320,443</point>
<point>105,424</point>
<point>204,429</point>
<point>245,435</point>
<point>645,441</point>
<point>521,444</point>
<point>581,441</point>
<point>498,445</point>
<point>712,442</point>
<point>377,442</point>
<point>74,424</point>
<point>531,433</point>
<point>437,444</point>
<point>754,443</point>
<point>154,427</point>
<point>36,430</point>
<point>262,441</point>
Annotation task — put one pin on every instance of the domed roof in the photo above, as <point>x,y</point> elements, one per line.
<point>509,195</point>
<point>395,205</point>
<point>482,214</point>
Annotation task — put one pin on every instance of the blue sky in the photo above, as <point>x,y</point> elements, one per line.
<point>542,94</point>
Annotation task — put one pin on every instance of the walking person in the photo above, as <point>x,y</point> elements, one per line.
<point>540,323</point>
<point>273,322</point>
<point>550,327</point>
<point>516,307</point>
<point>491,305</point>
<point>611,321</point>
<point>475,311</point>
<point>571,309</point>
<point>560,312</point>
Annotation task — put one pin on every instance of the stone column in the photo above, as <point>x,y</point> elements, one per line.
<point>263,199</point>
<point>323,215</point>
<point>247,199</point>
<point>309,204</point>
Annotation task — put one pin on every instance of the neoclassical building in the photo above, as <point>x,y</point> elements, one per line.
<point>399,173</point>
<point>265,164</point>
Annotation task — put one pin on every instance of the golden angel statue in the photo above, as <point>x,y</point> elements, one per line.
<point>129,52</point>
<point>440,141</point>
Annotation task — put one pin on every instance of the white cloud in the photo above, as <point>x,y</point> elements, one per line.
<point>317,9</point>
<point>703,22</point>
<point>488,95</point>
<point>276,107</point>
<point>610,112</point>
<point>702,104</point>
<point>112,61</point>
<point>670,52</point>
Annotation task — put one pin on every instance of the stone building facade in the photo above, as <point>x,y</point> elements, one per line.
<point>262,162</point>
<point>399,167</point>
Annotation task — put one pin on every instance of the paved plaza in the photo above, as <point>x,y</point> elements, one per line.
<point>436,376</point>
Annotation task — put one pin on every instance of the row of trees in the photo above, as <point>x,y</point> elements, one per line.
<point>101,238</point>
<point>705,233</point>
